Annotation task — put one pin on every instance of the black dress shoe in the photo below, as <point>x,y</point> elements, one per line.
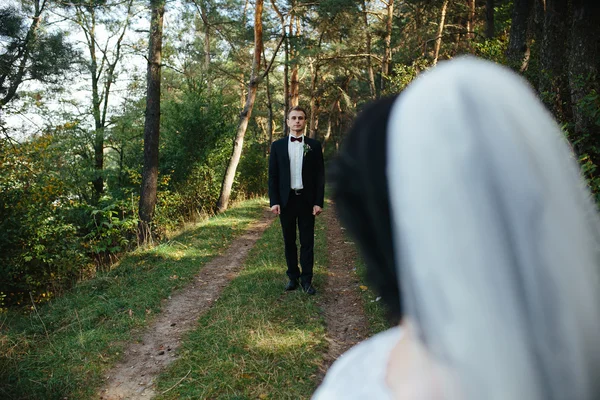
<point>291,285</point>
<point>308,288</point>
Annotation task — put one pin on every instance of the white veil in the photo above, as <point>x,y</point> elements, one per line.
<point>495,236</point>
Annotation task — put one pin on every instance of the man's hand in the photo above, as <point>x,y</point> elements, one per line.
<point>317,210</point>
<point>276,209</point>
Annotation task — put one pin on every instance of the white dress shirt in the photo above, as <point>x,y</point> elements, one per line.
<point>296,153</point>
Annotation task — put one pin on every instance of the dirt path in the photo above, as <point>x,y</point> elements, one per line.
<point>342,302</point>
<point>133,377</point>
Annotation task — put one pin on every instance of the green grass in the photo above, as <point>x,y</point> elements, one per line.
<point>375,310</point>
<point>256,341</point>
<point>63,351</point>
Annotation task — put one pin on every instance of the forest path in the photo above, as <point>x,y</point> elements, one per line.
<point>142,362</point>
<point>342,302</point>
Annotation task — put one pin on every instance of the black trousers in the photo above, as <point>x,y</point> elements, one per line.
<point>298,212</point>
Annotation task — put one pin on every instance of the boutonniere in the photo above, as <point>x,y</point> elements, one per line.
<point>307,148</point>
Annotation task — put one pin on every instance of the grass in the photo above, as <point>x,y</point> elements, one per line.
<point>256,342</point>
<point>375,309</point>
<point>62,349</point>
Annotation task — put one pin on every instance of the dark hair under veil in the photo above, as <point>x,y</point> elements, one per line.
<point>360,193</point>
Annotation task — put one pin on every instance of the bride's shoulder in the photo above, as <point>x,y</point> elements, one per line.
<point>360,372</point>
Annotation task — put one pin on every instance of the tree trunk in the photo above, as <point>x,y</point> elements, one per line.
<point>553,62</point>
<point>368,50</point>
<point>295,83</point>
<point>517,42</point>
<point>584,61</point>
<point>286,48</point>
<point>151,124</point>
<point>489,19</point>
<point>86,19</point>
<point>269,107</point>
<point>238,143</point>
<point>90,31</point>
<point>327,138</point>
<point>471,19</point>
<point>440,32</point>
<point>204,16</point>
<point>314,104</point>
<point>387,54</point>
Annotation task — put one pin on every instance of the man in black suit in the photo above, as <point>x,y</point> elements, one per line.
<point>296,192</point>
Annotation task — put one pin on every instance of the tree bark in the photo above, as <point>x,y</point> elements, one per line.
<point>387,54</point>
<point>440,32</point>
<point>584,62</point>
<point>517,42</point>
<point>238,143</point>
<point>286,80</point>
<point>295,82</point>
<point>370,73</point>
<point>489,19</point>
<point>269,107</point>
<point>314,101</point>
<point>151,124</point>
<point>471,19</point>
<point>204,16</point>
<point>553,77</point>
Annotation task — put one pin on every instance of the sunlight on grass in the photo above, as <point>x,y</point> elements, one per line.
<point>64,349</point>
<point>268,340</point>
<point>257,341</point>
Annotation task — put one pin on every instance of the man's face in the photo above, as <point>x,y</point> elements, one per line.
<point>296,121</point>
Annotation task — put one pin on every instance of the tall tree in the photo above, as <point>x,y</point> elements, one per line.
<point>517,43</point>
<point>471,19</point>
<point>286,79</point>
<point>30,52</point>
<point>387,52</point>
<point>238,143</point>
<point>584,62</point>
<point>440,32</point>
<point>101,64</point>
<point>489,19</point>
<point>295,78</point>
<point>553,62</point>
<point>151,124</point>
<point>368,49</point>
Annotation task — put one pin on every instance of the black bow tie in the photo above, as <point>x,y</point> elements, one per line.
<point>299,139</point>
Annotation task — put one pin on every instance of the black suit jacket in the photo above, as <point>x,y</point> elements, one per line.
<point>313,174</point>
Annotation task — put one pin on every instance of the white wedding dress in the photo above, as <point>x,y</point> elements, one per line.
<point>360,372</point>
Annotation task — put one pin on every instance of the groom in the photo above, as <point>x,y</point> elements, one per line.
<point>296,192</point>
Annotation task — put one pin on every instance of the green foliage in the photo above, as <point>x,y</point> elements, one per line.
<point>197,133</point>
<point>46,54</point>
<point>39,245</point>
<point>586,142</point>
<point>112,230</point>
<point>253,175</point>
<point>404,74</point>
<point>64,349</point>
<point>492,49</point>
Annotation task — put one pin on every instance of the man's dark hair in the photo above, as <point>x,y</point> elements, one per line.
<point>297,108</point>
<point>361,195</point>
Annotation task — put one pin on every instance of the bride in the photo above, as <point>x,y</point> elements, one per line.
<point>473,220</point>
